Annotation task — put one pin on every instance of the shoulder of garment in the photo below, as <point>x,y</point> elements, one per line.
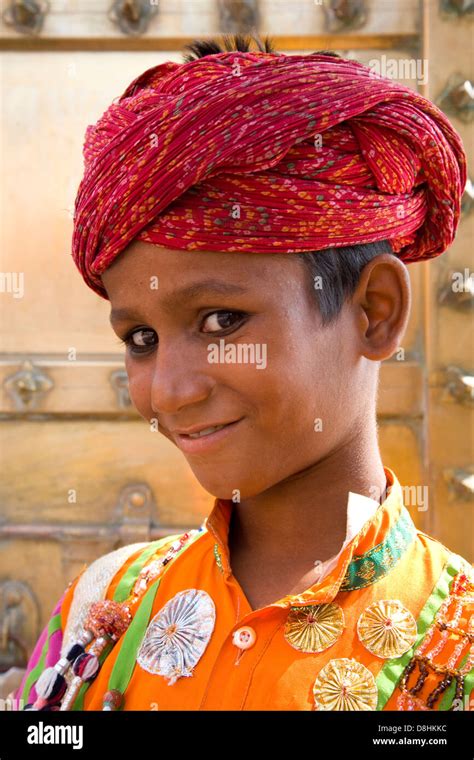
<point>111,576</point>
<point>97,581</point>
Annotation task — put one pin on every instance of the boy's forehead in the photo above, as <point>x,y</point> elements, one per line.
<point>145,281</point>
<point>190,271</point>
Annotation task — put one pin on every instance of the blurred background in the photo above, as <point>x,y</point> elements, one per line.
<point>80,476</point>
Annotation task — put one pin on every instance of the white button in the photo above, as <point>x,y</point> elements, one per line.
<point>244,638</point>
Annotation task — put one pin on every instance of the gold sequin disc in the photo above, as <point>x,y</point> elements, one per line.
<point>314,628</point>
<point>345,684</point>
<point>387,629</point>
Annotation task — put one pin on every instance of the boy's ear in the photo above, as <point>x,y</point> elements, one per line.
<point>382,302</point>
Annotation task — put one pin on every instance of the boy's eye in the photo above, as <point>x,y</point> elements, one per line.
<point>140,340</point>
<point>144,339</point>
<point>222,320</point>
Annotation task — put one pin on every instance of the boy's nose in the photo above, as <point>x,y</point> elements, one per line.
<point>181,377</point>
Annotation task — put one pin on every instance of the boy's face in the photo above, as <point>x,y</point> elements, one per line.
<point>296,392</point>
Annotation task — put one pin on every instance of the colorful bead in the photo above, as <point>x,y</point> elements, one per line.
<point>112,700</point>
<point>86,666</point>
<point>108,618</point>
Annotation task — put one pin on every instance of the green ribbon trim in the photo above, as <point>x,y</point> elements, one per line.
<point>128,579</point>
<point>125,662</point>
<point>368,568</point>
<point>53,626</point>
<point>391,672</point>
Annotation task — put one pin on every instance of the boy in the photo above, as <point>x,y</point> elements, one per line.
<point>308,587</point>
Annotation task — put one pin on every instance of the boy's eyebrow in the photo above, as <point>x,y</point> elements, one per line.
<point>204,287</point>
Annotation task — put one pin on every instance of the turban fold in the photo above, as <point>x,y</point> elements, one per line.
<point>267,153</point>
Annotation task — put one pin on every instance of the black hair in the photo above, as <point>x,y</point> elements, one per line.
<point>228,43</point>
<point>238,42</point>
<point>338,268</point>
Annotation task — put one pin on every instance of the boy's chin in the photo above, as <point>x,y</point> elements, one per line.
<point>219,487</point>
<point>220,490</point>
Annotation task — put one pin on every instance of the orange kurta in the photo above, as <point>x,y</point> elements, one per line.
<point>344,643</point>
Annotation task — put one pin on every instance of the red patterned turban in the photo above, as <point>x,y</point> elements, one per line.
<point>267,153</point>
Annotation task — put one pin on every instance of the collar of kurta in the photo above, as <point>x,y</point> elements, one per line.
<point>369,555</point>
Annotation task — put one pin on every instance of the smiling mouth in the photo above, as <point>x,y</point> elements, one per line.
<point>198,432</point>
<point>201,440</point>
<point>206,431</point>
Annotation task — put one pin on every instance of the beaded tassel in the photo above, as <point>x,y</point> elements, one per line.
<point>460,596</point>
<point>85,677</point>
<point>51,685</point>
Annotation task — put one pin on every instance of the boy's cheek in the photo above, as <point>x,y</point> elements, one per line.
<point>139,392</point>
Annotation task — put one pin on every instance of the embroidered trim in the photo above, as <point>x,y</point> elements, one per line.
<point>218,558</point>
<point>368,568</point>
<point>391,672</point>
<point>128,579</point>
<point>92,587</point>
<point>441,659</point>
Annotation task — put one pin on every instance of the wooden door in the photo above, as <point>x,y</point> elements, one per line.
<point>83,474</point>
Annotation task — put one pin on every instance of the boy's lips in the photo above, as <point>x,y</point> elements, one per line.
<point>203,443</point>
